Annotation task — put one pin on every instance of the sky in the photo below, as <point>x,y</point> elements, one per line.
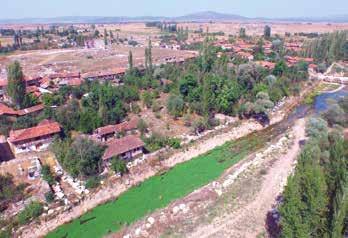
<point>249,8</point>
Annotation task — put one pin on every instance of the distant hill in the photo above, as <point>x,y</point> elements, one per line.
<point>335,18</point>
<point>210,16</point>
<point>195,17</point>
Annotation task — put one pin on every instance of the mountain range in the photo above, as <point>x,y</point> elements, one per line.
<point>195,17</point>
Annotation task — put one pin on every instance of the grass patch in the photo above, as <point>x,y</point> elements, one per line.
<point>325,87</point>
<point>158,191</point>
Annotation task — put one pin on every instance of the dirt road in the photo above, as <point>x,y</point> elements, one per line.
<point>249,220</point>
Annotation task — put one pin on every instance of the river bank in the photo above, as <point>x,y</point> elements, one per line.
<point>138,175</point>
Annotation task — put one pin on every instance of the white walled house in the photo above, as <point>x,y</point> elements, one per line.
<point>36,138</point>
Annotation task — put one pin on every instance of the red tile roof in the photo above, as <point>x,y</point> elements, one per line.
<point>294,60</point>
<point>266,64</point>
<point>112,72</point>
<point>31,89</point>
<point>65,76</point>
<point>245,55</point>
<point>32,109</point>
<point>71,82</point>
<point>124,126</point>
<point>45,129</point>
<point>119,146</point>
<point>3,82</point>
<point>5,110</point>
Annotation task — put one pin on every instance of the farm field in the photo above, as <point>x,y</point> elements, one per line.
<point>158,191</point>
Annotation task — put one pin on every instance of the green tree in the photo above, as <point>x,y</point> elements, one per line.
<point>142,126</point>
<point>16,83</point>
<point>130,62</point>
<point>49,197</point>
<point>280,68</point>
<point>262,103</point>
<point>149,55</point>
<point>31,211</point>
<point>338,187</point>
<point>335,115</point>
<point>47,174</point>
<point>175,105</point>
<point>147,99</point>
<point>248,75</point>
<point>105,37</point>
<point>118,165</point>
<point>242,32</point>
<point>267,32</point>
<point>187,86</point>
<point>81,158</point>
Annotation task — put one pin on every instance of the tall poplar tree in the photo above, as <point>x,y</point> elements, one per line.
<point>130,62</point>
<point>16,83</point>
<point>149,55</point>
<point>105,37</point>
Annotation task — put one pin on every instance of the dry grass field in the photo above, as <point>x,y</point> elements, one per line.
<point>44,62</point>
<point>256,28</point>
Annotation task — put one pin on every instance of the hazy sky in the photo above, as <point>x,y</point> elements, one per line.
<point>250,8</point>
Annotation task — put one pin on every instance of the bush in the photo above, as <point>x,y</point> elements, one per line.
<point>47,174</point>
<point>148,99</point>
<point>199,126</point>
<point>49,196</point>
<point>142,126</point>
<point>156,107</point>
<point>335,115</point>
<point>154,142</point>
<point>157,141</point>
<point>187,120</point>
<point>92,182</point>
<point>33,210</point>
<point>118,165</point>
<point>135,108</point>
<point>5,233</point>
<point>316,127</point>
<point>174,143</point>
<point>175,105</point>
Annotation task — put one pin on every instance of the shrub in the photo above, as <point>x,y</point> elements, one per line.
<point>135,108</point>
<point>154,142</point>
<point>174,143</point>
<point>92,182</point>
<point>49,196</point>
<point>335,115</point>
<point>316,126</point>
<point>199,126</point>
<point>5,233</point>
<point>175,105</point>
<point>156,107</point>
<point>47,174</point>
<point>142,126</point>
<point>33,210</point>
<point>187,120</point>
<point>118,165</point>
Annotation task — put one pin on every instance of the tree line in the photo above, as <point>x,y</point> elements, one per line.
<point>328,47</point>
<point>315,200</point>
